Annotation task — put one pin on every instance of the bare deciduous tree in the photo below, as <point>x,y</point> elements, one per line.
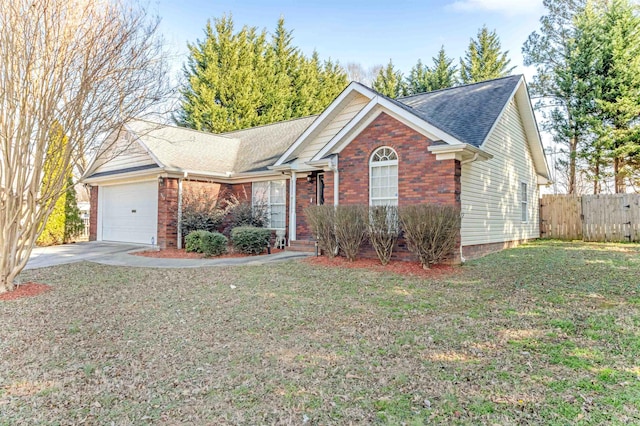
<point>356,72</point>
<point>71,72</point>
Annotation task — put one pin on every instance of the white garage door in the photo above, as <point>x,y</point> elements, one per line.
<point>130,212</point>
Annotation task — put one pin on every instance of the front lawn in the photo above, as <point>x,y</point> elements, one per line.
<point>548,333</point>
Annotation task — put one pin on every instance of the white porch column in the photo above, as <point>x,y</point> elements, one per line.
<point>179,242</point>
<point>292,207</point>
<point>336,181</point>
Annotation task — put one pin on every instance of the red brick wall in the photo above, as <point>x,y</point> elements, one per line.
<point>198,188</point>
<point>168,213</point>
<point>244,190</point>
<point>421,178</point>
<point>93,214</point>
<point>328,188</point>
<point>305,196</point>
<point>480,250</point>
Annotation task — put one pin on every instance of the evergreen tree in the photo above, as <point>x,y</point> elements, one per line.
<point>611,32</point>
<point>426,79</point>
<point>53,230</point>
<point>587,57</point>
<point>443,73</point>
<point>73,223</point>
<point>236,80</point>
<point>484,60</point>
<point>561,83</point>
<point>389,82</point>
<point>419,80</point>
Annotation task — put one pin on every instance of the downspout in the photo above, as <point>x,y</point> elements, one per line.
<point>470,160</point>
<point>462,163</point>
<point>333,166</point>
<point>292,207</point>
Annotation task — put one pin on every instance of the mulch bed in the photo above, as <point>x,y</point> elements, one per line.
<point>172,253</point>
<point>25,290</point>
<point>395,266</point>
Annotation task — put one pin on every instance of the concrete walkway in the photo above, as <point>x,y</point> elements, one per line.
<point>124,259</point>
<point>117,254</point>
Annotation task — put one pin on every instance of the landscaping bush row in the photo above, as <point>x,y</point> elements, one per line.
<point>430,230</point>
<point>210,211</point>
<point>244,239</point>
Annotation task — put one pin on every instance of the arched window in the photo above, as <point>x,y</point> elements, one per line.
<point>383,177</point>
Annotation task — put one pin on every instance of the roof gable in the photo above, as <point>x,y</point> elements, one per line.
<point>468,112</point>
<point>181,149</point>
<point>121,151</point>
<point>261,146</point>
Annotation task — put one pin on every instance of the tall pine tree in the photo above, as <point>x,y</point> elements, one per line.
<point>611,31</point>
<point>389,82</point>
<point>443,73</point>
<point>240,79</point>
<point>561,84</point>
<point>419,80</point>
<point>484,60</point>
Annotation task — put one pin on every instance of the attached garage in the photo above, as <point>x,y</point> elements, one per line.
<point>128,213</point>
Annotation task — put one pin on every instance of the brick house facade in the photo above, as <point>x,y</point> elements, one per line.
<point>449,149</point>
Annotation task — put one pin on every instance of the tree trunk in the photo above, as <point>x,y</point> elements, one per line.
<point>596,178</point>
<point>5,284</point>
<point>619,176</point>
<point>573,147</point>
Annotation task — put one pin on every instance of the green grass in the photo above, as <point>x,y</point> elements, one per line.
<point>547,333</point>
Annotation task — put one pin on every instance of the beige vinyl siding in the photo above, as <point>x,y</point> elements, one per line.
<point>124,155</point>
<point>490,200</point>
<point>332,128</point>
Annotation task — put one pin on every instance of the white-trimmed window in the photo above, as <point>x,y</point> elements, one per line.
<point>272,197</point>
<point>524,202</point>
<point>383,177</point>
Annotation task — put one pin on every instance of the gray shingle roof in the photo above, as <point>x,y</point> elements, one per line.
<point>248,150</point>
<point>465,112</point>
<point>262,146</point>
<point>180,148</point>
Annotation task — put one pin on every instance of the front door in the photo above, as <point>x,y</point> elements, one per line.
<point>320,189</point>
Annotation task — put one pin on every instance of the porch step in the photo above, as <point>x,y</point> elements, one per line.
<point>302,245</point>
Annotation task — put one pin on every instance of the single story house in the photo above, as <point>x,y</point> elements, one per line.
<point>476,147</point>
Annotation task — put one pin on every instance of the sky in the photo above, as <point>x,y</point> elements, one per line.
<point>366,32</point>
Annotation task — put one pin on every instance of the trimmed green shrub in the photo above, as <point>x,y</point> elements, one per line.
<point>241,212</point>
<point>249,239</point>
<point>351,228</point>
<point>208,243</point>
<point>431,231</point>
<point>383,230</point>
<point>322,221</point>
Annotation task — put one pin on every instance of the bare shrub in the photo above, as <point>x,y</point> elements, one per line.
<point>351,229</point>
<point>322,221</point>
<point>383,230</point>
<point>200,212</point>
<point>431,231</point>
<point>240,211</point>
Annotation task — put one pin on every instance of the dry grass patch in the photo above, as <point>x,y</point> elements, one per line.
<point>515,338</point>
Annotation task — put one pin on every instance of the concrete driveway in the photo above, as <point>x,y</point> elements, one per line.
<point>69,253</point>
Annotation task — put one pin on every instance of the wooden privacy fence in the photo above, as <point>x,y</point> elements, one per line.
<point>610,217</point>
